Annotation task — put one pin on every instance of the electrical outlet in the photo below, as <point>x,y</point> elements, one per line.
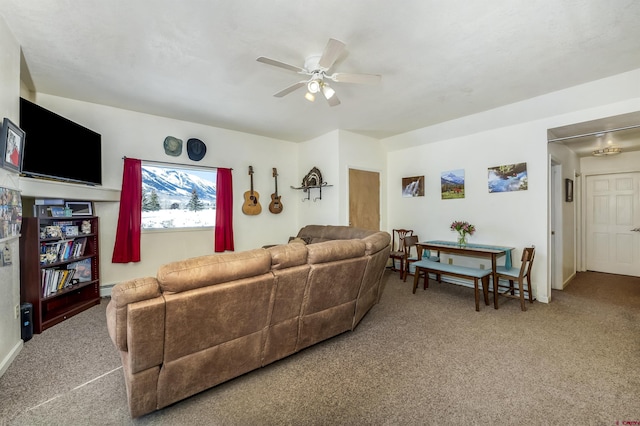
<point>450,261</point>
<point>482,266</point>
<point>17,311</point>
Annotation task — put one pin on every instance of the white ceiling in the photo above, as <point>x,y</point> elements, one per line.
<point>195,60</point>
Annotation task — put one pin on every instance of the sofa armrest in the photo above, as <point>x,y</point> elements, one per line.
<point>376,242</point>
<point>122,295</point>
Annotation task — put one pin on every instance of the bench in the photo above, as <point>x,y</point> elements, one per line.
<point>439,269</point>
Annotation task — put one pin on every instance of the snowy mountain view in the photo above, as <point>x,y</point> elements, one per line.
<point>177,198</point>
<point>452,184</point>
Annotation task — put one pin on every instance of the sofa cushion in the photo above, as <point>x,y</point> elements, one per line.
<point>288,255</point>
<point>331,232</point>
<point>213,269</point>
<point>334,250</point>
<point>376,242</point>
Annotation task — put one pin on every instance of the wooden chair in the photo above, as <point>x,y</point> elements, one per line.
<point>513,274</point>
<point>409,242</point>
<point>397,249</point>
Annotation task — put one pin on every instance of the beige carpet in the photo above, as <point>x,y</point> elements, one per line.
<point>427,358</point>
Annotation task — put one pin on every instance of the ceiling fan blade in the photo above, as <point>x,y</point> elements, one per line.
<point>331,52</point>
<point>279,64</point>
<point>290,89</point>
<point>342,77</point>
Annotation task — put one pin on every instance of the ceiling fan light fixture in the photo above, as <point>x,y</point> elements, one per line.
<point>327,91</point>
<point>313,86</point>
<point>310,96</point>
<point>603,152</point>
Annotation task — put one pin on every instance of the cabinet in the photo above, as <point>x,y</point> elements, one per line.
<point>59,267</point>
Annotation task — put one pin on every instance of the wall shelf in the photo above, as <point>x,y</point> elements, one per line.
<point>308,189</point>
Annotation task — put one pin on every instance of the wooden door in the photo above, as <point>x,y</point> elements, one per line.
<point>364,199</point>
<point>612,216</point>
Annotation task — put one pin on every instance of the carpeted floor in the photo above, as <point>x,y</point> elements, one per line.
<point>420,359</point>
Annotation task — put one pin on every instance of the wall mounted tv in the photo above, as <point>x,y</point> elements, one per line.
<point>57,148</point>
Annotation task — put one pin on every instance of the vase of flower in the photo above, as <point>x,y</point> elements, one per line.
<point>463,229</point>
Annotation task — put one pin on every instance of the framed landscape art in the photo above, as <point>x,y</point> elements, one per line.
<point>508,178</point>
<point>413,186</point>
<point>452,184</point>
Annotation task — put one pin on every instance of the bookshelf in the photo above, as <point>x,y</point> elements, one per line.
<point>59,267</point>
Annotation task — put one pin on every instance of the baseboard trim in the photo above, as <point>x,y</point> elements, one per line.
<point>13,353</point>
<point>105,290</point>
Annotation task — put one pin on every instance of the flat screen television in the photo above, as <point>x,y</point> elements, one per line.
<point>57,148</point>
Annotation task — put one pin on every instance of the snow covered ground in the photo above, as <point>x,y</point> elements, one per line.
<point>163,219</point>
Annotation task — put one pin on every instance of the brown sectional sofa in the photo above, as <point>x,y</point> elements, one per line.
<point>206,320</point>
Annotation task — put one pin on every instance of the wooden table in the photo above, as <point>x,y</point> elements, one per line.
<point>473,250</point>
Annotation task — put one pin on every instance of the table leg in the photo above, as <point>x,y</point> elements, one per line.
<point>494,275</point>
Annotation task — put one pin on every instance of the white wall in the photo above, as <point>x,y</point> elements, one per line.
<point>500,218</point>
<point>10,340</point>
<point>362,153</point>
<point>623,163</point>
<point>136,135</point>
<point>568,210</point>
<point>511,134</point>
<point>323,153</point>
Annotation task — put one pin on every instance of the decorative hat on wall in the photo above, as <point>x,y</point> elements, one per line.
<point>172,146</point>
<point>196,149</point>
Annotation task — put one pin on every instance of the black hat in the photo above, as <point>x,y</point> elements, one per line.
<point>196,149</point>
<point>172,146</point>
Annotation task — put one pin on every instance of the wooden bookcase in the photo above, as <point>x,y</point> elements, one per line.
<point>48,248</point>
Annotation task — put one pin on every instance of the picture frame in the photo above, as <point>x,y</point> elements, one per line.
<point>413,186</point>
<point>80,208</point>
<point>56,211</point>
<point>11,146</point>
<point>568,190</point>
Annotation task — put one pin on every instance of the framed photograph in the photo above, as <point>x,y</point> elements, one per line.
<point>413,186</point>
<point>508,178</point>
<point>452,184</point>
<point>568,190</point>
<point>11,146</point>
<point>56,211</point>
<point>79,208</point>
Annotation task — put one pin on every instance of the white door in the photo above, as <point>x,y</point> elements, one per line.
<point>613,217</point>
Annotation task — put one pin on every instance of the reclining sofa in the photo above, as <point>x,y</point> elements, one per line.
<point>205,320</point>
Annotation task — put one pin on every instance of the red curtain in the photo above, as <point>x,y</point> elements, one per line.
<point>127,246</point>
<point>224,211</point>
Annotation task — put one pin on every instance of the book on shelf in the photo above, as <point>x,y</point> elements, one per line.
<point>54,280</point>
<point>82,270</point>
<point>62,250</point>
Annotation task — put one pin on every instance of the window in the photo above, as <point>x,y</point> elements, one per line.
<point>178,197</point>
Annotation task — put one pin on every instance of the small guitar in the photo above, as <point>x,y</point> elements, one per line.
<point>275,206</point>
<point>251,204</point>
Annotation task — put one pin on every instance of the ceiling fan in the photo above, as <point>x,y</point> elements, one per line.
<point>316,67</point>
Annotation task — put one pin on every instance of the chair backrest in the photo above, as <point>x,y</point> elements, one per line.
<point>400,234</point>
<point>410,241</point>
<point>527,262</point>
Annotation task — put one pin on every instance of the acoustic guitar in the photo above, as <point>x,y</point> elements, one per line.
<point>251,204</point>
<point>275,206</point>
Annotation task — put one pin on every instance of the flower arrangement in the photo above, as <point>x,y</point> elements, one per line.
<point>463,228</point>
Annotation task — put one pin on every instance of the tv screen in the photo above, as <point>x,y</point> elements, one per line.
<point>57,148</point>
